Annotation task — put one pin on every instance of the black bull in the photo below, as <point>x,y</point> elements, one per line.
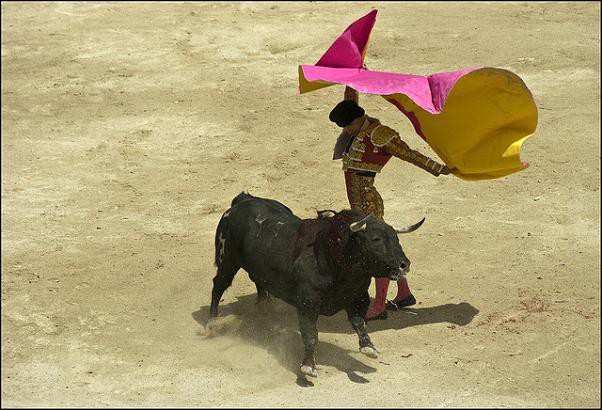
<point>319,266</point>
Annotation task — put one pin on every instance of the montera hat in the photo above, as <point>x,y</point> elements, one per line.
<point>345,112</point>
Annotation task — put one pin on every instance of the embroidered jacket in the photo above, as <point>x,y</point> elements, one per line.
<point>374,146</point>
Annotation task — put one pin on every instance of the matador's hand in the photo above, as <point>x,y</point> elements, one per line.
<point>446,171</point>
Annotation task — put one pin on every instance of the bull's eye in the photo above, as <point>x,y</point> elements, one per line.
<point>376,239</point>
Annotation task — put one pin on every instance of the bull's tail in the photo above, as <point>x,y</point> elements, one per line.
<point>220,238</point>
<point>222,231</point>
<point>243,196</point>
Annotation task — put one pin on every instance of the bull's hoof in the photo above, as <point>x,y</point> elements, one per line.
<point>210,322</point>
<point>309,371</point>
<point>369,351</point>
<point>220,325</point>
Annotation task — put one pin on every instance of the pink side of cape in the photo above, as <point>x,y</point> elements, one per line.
<point>430,92</point>
<point>343,63</point>
<point>488,138</point>
<point>348,49</point>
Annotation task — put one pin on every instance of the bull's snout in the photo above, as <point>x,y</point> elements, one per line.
<point>402,270</point>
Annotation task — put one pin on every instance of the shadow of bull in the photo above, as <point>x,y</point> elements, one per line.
<point>273,326</point>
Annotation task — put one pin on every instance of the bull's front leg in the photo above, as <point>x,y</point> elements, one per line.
<point>308,319</point>
<point>356,313</point>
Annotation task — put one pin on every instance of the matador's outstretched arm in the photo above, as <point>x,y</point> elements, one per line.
<point>397,147</point>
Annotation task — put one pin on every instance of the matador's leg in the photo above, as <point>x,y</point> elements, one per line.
<point>404,296</point>
<point>363,195</point>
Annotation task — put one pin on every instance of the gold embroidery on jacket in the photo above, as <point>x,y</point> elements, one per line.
<point>361,166</point>
<point>381,135</point>
<point>353,157</point>
<point>398,148</point>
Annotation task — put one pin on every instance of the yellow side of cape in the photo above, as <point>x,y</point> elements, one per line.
<point>488,115</point>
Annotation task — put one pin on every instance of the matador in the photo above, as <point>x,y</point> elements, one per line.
<point>365,146</point>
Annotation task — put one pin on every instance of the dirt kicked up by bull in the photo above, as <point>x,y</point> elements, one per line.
<point>320,265</point>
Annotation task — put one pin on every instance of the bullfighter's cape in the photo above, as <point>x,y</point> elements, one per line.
<point>474,119</point>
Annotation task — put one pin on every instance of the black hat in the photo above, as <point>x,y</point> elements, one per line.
<point>345,112</point>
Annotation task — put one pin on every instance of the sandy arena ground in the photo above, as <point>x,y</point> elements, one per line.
<point>128,128</point>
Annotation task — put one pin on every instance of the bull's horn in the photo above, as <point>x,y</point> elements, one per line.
<point>409,228</point>
<point>359,225</point>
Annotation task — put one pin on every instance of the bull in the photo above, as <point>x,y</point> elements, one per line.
<point>320,266</point>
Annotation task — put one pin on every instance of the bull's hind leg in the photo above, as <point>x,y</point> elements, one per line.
<point>221,282</point>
